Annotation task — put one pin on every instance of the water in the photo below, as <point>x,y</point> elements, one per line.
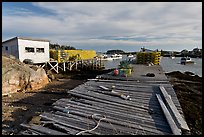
<point>170,65</point>
<point>114,63</point>
<point>167,64</point>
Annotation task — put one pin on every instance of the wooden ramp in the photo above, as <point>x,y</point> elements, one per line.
<point>116,106</point>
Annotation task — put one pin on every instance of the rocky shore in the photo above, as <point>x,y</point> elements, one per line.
<point>188,88</point>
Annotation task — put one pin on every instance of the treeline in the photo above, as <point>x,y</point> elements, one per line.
<point>61,47</point>
<point>117,51</point>
<point>195,53</point>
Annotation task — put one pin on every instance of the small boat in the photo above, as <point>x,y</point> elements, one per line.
<point>130,56</point>
<point>104,57</point>
<point>185,60</point>
<point>116,56</point>
<point>172,57</point>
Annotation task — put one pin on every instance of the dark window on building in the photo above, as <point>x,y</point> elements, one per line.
<point>29,49</point>
<point>40,50</point>
<point>6,48</point>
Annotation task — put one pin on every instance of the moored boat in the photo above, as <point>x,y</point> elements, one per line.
<point>130,56</point>
<point>185,60</point>
<point>104,57</point>
<point>116,56</point>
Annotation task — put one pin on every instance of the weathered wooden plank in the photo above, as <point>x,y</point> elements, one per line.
<point>109,101</point>
<point>124,117</point>
<point>84,123</point>
<point>44,130</point>
<point>70,131</point>
<point>107,98</point>
<point>67,121</point>
<point>172,124</point>
<point>116,129</point>
<point>115,107</point>
<point>116,122</point>
<point>86,103</point>
<point>108,111</point>
<point>171,105</point>
<point>30,132</point>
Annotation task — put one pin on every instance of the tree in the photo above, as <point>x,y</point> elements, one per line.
<point>61,47</point>
<point>115,51</point>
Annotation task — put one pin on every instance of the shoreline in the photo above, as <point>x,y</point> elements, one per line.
<point>188,88</point>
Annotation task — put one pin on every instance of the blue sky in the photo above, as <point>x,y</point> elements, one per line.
<point>102,26</point>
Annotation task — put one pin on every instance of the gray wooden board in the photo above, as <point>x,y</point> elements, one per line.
<point>122,123</point>
<point>115,128</point>
<point>44,130</point>
<point>65,121</point>
<point>137,95</point>
<point>86,103</point>
<point>144,90</point>
<point>107,125</point>
<point>142,102</point>
<point>174,128</point>
<point>81,124</point>
<point>117,99</point>
<point>108,99</point>
<point>114,114</point>
<point>174,110</point>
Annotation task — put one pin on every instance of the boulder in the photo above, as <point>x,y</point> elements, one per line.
<point>17,76</point>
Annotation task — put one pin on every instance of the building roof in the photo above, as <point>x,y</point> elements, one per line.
<point>25,38</point>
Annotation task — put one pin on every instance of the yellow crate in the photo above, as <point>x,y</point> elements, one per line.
<point>80,54</point>
<point>144,57</point>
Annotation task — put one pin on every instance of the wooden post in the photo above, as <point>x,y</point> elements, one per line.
<point>70,66</point>
<point>58,56</point>
<point>53,67</point>
<point>64,66</point>
<point>76,64</point>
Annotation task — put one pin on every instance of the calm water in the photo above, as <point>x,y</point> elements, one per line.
<point>170,65</point>
<point>167,64</point>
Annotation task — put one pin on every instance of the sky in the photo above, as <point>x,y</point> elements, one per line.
<point>103,26</point>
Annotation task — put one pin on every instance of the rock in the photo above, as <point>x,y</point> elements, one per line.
<point>150,74</point>
<point>189,73</point>
<point>38,79</point>
<point>17,76</point>
<point>50,75</point>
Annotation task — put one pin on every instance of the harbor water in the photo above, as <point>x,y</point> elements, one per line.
<point>168,65</point>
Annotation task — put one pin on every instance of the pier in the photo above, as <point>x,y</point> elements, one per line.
<point>85,64</point>
<point>115,105</point>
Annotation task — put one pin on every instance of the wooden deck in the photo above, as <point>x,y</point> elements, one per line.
<point>113,105</point>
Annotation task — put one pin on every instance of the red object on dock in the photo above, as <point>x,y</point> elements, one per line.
<point>116,72</point>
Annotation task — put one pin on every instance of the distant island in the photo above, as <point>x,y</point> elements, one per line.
<point>195,53</point>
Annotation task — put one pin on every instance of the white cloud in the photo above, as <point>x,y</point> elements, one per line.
<point>166,23</point>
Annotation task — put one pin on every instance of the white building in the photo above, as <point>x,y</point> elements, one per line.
<point>27,48</point>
